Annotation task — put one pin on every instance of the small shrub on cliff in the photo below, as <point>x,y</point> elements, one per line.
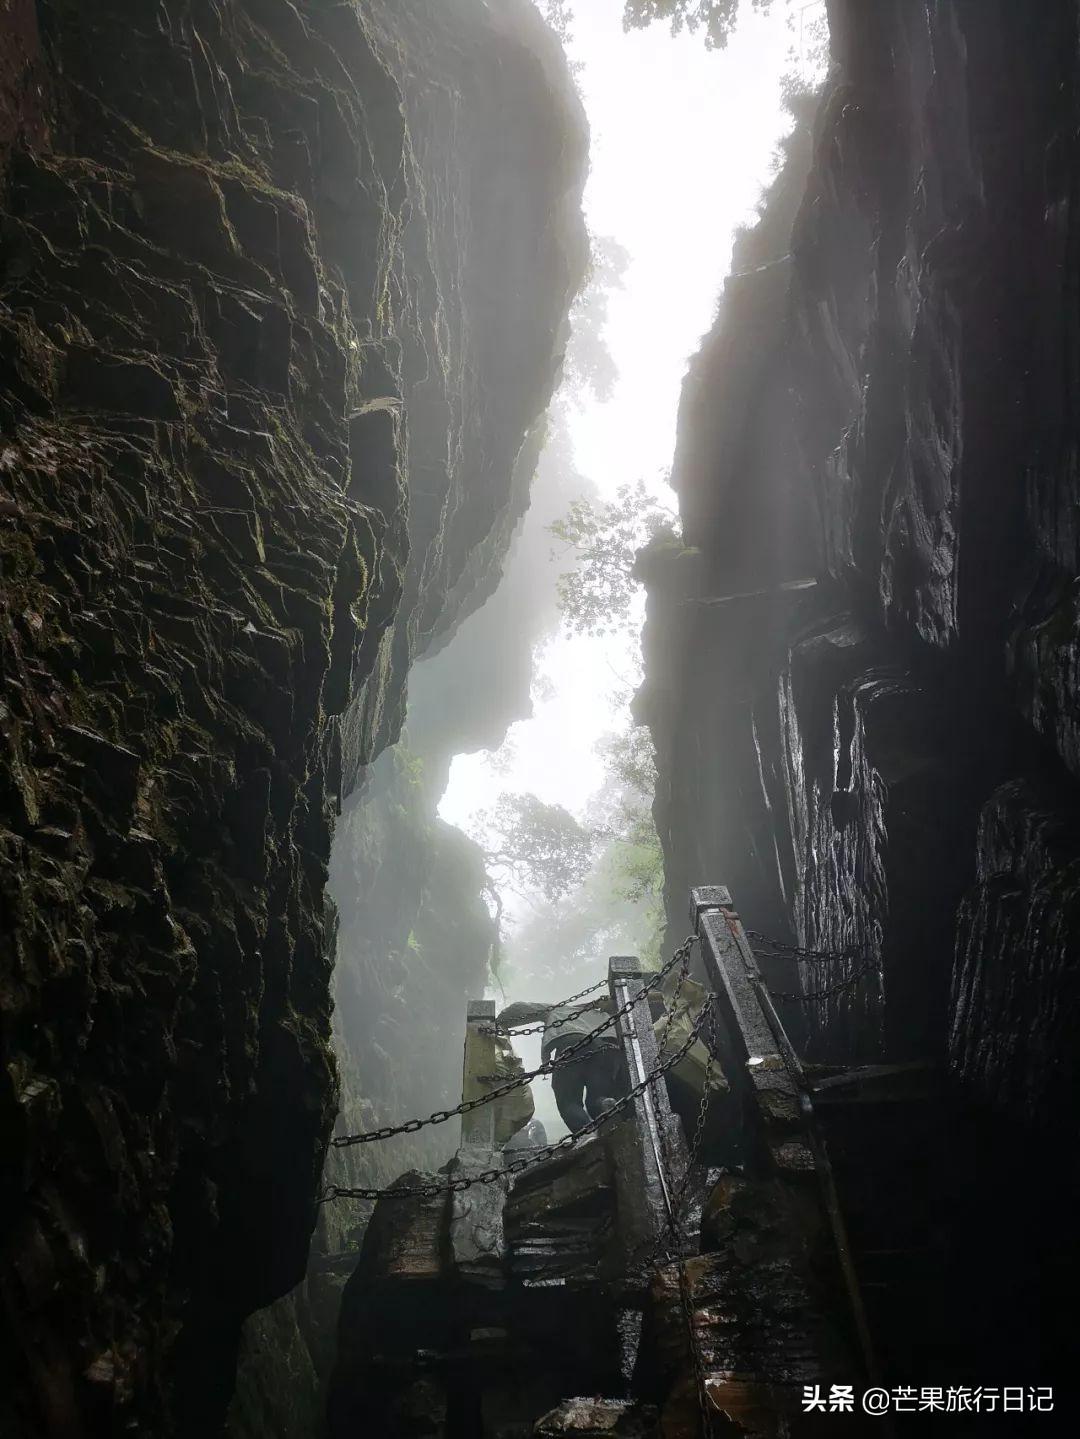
<point>559,15</point>
<point>637,860</point>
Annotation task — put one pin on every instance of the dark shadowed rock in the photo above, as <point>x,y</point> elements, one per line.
<point>885,763</point>
<point>266,371</point>
<point>598,1416</point>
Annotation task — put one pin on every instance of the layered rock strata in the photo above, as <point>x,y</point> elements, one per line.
<point>269,347</point>
<point>862,667</point>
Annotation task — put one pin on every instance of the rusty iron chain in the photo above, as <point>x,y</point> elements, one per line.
<point>491,1176</point>
<point>569,1055</point>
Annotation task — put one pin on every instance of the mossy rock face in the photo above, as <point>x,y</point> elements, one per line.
<point>668,567</point>
<point>227,234</point>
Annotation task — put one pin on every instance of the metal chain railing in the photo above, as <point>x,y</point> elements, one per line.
<point>520,1031</point>
<point>798,954</point>
<point>781,949</point>
<point>566,1056</point>
<point>819,996</point>
<point>490,1176</point>
<point>673,1246</point>
<point>687,1305</point>
<point>703,1108</point>
<point>671,1250</point>
<point>684,972</point>
<point>671,1240</point>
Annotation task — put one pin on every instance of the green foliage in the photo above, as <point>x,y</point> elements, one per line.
<point>410,766</point>
<point>564,945</point>
<point>530,843</point>
<point>558,14</point>
<point>769,239</point>
<point>588,366</point>
<point>716,17</point>
<point>637,859</point>
<point>597,594</point>
<point>809,53</point>
<point>630,759</point>
<point>609,898</point>
<point>639,862</point>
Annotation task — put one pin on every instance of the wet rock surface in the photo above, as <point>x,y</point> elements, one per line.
<point>261,409</point>
<point>491,1348</point>
<point>757,1317</point>
<point>599,1416</point>
<point>414,930</point>
<point>886,759</point>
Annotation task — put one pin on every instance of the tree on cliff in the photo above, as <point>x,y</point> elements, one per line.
<point>533,845</point>
<point>625,817</point>
<point>716,17</point>
<point>617,908</point>
<point>596,596</point>
<point>536,846</point>
<point>630,760</point>
<point>588,364</point>
<point>558,14</point>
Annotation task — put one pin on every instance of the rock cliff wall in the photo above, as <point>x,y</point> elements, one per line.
<point>414,941</point>
<point>862,669</point>
<point>397,871</point>
<point>281,294</point>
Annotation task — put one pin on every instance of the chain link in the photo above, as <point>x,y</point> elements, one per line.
<point>561,1060</point>
<point>781,949</point>
<point>569,1055</point>
<point>671,1241</point>
<point>703,1109</point>
<point>568,1141</point>
<point>684,972</point>
<point>676,1244</point>
<point>819,996</point>
<point>673,1246</point>
<point>519,1032</point>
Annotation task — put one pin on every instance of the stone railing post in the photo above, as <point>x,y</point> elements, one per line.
<point>649,1148</point>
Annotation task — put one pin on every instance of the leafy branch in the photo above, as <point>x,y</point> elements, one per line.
<point>596,595</point>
